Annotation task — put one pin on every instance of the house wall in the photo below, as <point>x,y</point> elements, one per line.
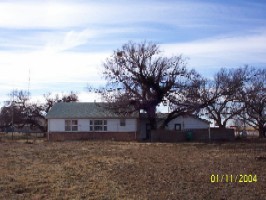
<point>113,125</point>
<point>57,125</point>
<point>187,122</point>
<point>117,136</point>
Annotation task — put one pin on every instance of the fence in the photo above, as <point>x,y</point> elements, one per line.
<point>212,134</point>
<point>20,135</point>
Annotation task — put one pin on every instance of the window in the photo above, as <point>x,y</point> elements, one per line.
<point>71,125</point>
<point>122,122</point>
<point>98,125</point>
<point>178,127</point>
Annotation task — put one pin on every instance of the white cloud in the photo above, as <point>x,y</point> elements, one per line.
<point>83,96</point>
<point>38,14</point>
<point>62,14</point>
<point>89,97</point>
<point>61,71</point>
<point>68,40</point>
<point>222,52</point>
<point>53,68</point>
<point>42,36</point>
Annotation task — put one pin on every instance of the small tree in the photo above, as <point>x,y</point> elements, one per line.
<point>39,111</point>
<point>139,78</point>
<point>50,100</point>
<point>15,112</point>
<point>21,112</point>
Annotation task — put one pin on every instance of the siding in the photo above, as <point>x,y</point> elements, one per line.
<point>113,125</point>
<point>187,123</point>
<point>57,125</point>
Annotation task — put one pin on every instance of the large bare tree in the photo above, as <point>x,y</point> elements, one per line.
<point>222,95</point>
<point>254,97</point>
<point>140,78</point>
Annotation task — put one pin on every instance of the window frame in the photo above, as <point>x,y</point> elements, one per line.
<point>71,125</point>
<point>122,122</point>
<point>179,127</point>
<point>98,125</point>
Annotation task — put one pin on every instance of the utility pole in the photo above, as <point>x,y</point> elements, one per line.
<point>27,111</point>
<point>12,104</point>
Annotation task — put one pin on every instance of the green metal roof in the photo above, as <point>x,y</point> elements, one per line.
<point>163,116</point>
<point>80,110</point>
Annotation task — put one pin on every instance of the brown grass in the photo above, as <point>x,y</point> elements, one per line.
<point>120,170</point>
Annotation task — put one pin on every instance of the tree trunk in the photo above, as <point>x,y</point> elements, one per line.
<point>153,123</point>
<point>152,117</point>
<point>262,131</point>
<point>222,126</point>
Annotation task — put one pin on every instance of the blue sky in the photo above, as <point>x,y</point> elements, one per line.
<point>64,43</point>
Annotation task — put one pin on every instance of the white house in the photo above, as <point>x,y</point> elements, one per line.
<point>181,123</point>
<point>76,120</point>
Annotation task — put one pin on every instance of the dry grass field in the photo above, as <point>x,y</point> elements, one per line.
<point>121,170</point>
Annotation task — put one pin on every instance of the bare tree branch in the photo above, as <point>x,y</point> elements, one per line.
<point>140,79</point>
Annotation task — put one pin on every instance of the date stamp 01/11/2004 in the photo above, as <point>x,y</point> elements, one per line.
<point>230,178</point>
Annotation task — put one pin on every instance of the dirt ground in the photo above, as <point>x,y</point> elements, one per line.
<point>122,170</point>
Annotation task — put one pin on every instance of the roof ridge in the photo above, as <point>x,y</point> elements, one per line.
<point>85,110</point>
